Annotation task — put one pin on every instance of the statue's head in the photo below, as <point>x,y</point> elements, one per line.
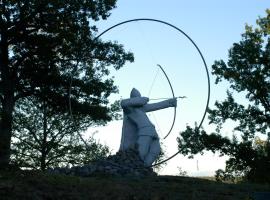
<point>135,93</point>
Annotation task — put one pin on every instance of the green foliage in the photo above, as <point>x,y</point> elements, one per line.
<point>194,141</point>
<point>48,51</point>
<point>162,156</point>
<point>44,138</point>
<point>248,71</point>
<point>244,166</point>
<point>227,176</point>
<point>181,172</point>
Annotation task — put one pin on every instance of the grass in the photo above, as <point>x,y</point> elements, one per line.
<point>37,185</point>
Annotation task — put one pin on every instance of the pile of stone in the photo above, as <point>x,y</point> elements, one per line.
<point>123,163</point>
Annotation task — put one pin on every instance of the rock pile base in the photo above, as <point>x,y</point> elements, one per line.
<point>123,163</point>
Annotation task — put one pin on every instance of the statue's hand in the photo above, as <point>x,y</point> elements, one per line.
<point>173,102</point>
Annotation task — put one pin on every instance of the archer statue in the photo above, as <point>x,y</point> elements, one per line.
<point>138,132</point>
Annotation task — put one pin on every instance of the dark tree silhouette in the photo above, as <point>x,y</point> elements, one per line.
<point>248,72</point>
<point>47,46</point>
<point>43,138</point>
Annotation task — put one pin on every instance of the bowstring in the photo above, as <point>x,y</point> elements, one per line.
<point>152,113</point>
<point>153,82</point>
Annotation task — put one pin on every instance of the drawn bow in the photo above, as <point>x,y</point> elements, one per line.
<point>174,115</point>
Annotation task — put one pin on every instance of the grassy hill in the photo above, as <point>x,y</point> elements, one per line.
<point>36,185</point>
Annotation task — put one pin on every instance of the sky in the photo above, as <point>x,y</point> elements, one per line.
<point>214,26</point>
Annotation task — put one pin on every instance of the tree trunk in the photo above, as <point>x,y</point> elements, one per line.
<point>44,140</point>
<point>43,161</point>
<point>7,102</point>
<point>5,132</point>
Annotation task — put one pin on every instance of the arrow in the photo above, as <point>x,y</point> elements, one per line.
<point>180,97</point>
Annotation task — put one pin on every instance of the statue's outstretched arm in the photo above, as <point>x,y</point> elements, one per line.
<point>160,105</point>
<point>133,102</point>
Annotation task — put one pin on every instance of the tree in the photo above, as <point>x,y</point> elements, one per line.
<point>47,51</point>
<point>247,71</point>
<point>44,138</point>
<point>162,156</point>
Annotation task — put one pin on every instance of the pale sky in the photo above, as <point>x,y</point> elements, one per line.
<point>214,26</point>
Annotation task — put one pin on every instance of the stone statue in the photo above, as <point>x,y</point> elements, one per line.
<point>138,132</point>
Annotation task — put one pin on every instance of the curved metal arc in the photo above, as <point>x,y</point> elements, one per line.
<point>186,35</point>
<point>197,48</point>
<point>134,20</point>
<point>174,116</point>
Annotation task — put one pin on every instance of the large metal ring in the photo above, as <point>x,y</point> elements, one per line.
<point>193,43</point>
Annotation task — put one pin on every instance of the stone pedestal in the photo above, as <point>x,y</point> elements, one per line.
<point>123,163</point>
